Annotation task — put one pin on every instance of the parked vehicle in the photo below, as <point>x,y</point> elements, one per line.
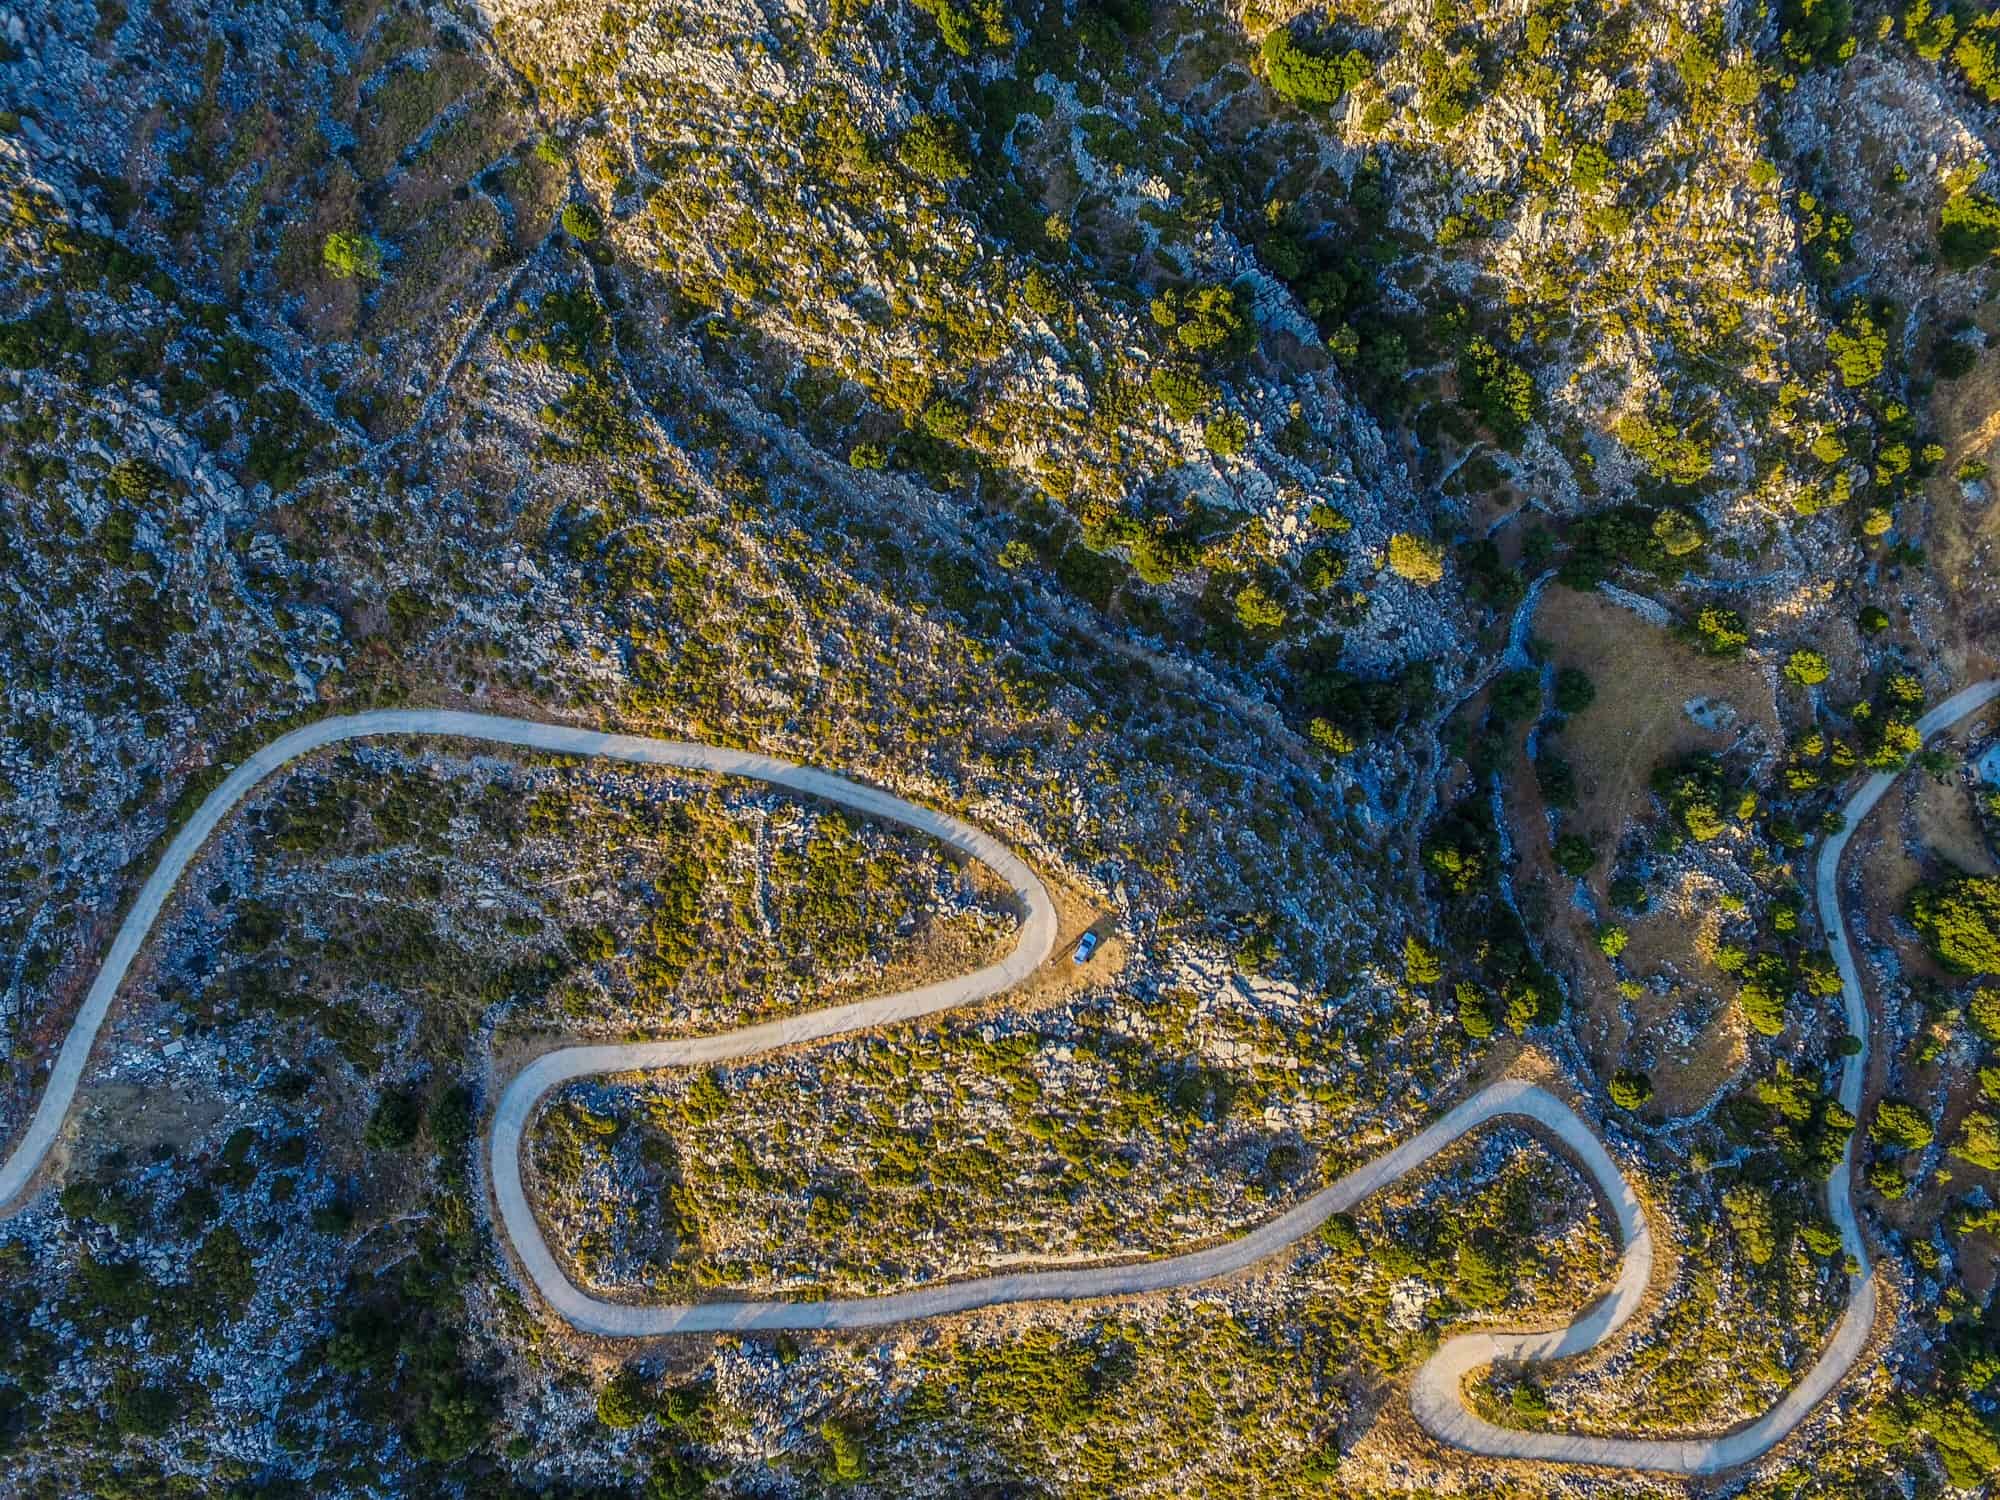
<point>1085,946</point>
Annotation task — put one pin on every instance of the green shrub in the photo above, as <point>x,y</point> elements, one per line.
<point>1590,168</point>
<point>1497,390</point>
<point>1311,78</point>
<point>937,148</point>
<point>1416,559</point>
<point>1953,359</point>
<point>1984,1010</point>
<point>1979,1140</point>
<point>1978,56</point>
<point>1968,231</point>
<point>1694,791</point>
<point>1181,390</point>
<point>1719,631</point>
<point>844,1463</point>
<point>624,1401</point>
<point>1967,1442</point>
<point>397,1117</point>
<point>1628,893</point>
<point>1754,1220</point>
<point>1574,691</point>
<point>1813,32</point>
<point>1928,29</point>
<point>1630,1089</point>
<point>1205,321</point>
<point>1664,543</point>
<point>452,1119</point>
<point>1475,1011</point>
<point>1515,695</point>
<point>1575,855</point>
<point>946,419</point>
<point>1227,436</point>
<point>1257,610</point>
<point>1462,850</point>
<point>1421,964</point>
<point>349,253</point>
<point>143,1410</point>
<point>1902,1126</point>
<point>1555,778</point>
<point>1806,668</point>
<point>1860,343</point>
<point>1767,988</point>
<point>955,25</point>
<point>582,222</point>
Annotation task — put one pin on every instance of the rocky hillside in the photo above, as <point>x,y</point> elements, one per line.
<point>1409,513</point>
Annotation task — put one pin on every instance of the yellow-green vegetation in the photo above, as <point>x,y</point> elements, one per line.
<point>1269,1396</point>
<point>1116,1126</point>
<point>1416,558</point>
<point>1751,1299</point>
<point>614,899</point>
<point>1959,920</point>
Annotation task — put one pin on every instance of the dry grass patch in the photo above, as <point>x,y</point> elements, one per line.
<point>1962,542</point>
<point>1644,680</point>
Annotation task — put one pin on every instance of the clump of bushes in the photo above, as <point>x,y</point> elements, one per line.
<point>937,148</point>
<point>1302,76</point>
<point>1497,390</point>
<point>1205,321</point>
<point>1959,920</point>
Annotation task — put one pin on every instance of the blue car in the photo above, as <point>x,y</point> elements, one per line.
<point>1085,946</point>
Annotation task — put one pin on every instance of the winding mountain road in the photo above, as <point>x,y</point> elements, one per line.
<point>1436,1398</point>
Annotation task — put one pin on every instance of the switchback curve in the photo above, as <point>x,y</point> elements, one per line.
<point>1436,1399</point>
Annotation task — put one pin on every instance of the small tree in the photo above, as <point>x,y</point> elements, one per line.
<point>1421,966</point>
<point>622,1403</point>
<point>1575,855</point>
<point>1767,987</point>
<point>1257,610</point>
<point>1515,695</point>
<point>395,1121</point>
<point>1330,737</point>
<point>452,1119</point>
<point>1574,690</point>
<point>844,1462</point>
<point>1721,632</point>
<point>1475,1011</point>
<point>1227,436</point>
<point>1901,1126</point>
<point>1310,78</point>
<point>1806,668</point>
<point>1984,1010</point>
<point>1630,1088</point>
<point>936,147</point>
<point>1755,1221</point>
<point>1205,321</point>
<point>1968,230</point>
<point>1959,920</point>
<point>1499,391</point>
<point>348,253</point>
<point>1858,347</point>
<point>1182,391</point>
